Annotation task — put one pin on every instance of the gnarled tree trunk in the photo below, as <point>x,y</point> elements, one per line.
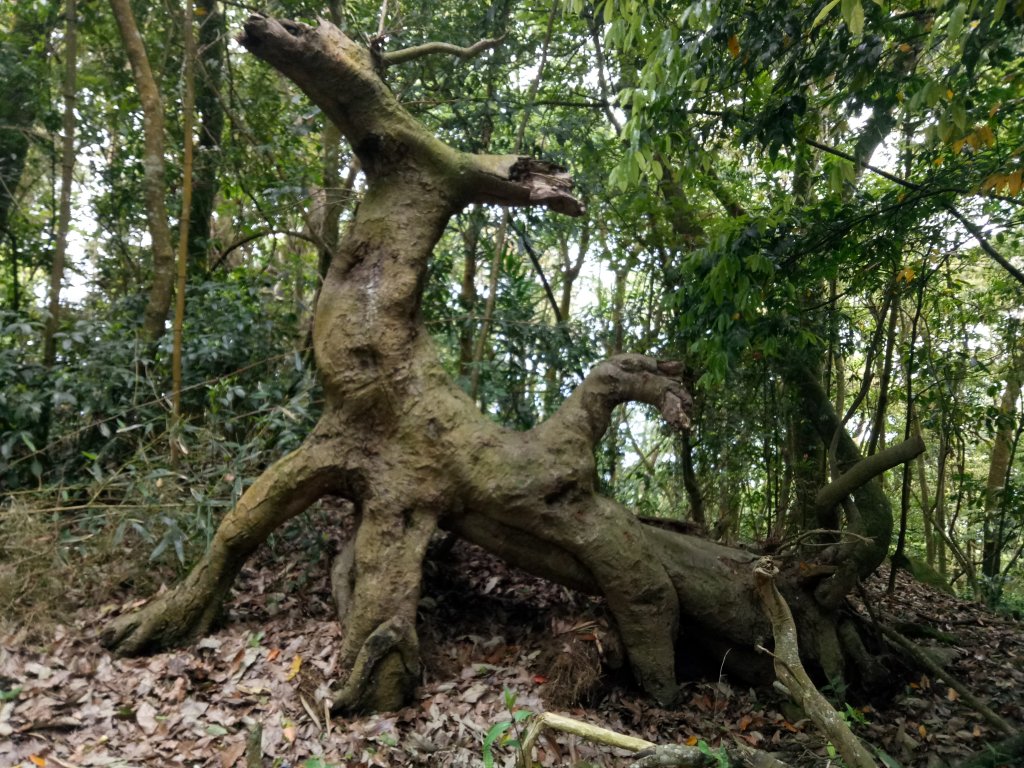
<point>413,453</point>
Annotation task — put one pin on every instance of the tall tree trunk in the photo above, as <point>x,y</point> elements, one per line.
<point>210,109</point>
<point>926,509</point>
<point>187,119</point>
<point>998,475</point>
<point>898,556</point>
<point>23,60</point>
<point>58,266</point>
<point>154,186</point>
<point>66,180</point>
<point>468,298</point>
<point>694,494</point>
<point>939,517</point>
<point>877,436</point>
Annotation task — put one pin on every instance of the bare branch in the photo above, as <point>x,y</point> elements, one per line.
<point>790,670</point>
<point>620,379</point>
<point>428,49</point>
<point>516,180</point>
<point>969,225</point>
<point>246,239</point>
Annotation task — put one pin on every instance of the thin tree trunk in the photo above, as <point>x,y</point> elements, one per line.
<point>467,291</point>
<point>66,180</point>
<point>23,61</point>
<point>877,438</point>
<point>502,235</point>
<point>901,539</point>
<point>210,109</point>
<point>569,270</point>
<point>926,509</point>
<point>20,104</point>
<point>940,499</point>
<point>154,186</point>
<point>693,490</point>
<point>187,119</point>
<point>998,472</point>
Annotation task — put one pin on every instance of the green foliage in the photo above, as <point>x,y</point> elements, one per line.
<point>718,230</point>
<point>720,756</point>
<point>505,734</point>
<point>9,694</point>
<point>316,762</point>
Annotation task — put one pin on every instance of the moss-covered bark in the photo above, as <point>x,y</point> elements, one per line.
<point>412,452</point>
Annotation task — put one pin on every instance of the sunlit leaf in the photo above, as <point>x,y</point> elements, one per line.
<point>295,667</point>
<point>824,12</point>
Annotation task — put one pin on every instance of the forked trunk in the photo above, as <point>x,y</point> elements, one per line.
<point>413,453</point>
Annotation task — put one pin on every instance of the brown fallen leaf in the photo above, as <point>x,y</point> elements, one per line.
<point>232,753</point>
<point>145,716</point>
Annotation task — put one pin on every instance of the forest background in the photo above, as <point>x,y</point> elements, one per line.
<point>762,180</point>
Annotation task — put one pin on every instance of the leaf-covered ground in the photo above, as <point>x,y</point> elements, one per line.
<point>64,701</point>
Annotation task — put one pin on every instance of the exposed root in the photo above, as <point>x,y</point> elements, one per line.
<point>647,754</point>
<point>386,668</point>
<point>170,619</point>
<point>924,660</point>
<point>188,611</point>
<point>794,678</point>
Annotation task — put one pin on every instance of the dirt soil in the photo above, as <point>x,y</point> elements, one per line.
<point>491,637</point>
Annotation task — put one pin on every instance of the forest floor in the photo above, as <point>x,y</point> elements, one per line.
<point>485,630</point>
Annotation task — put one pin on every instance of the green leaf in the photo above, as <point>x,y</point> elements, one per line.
<point>997,12</point>
<point>27,440</point>
<point>847,10</point>
<point>857,20</point>
<point>824,12</point>
<point>510,697</point>
<point>956,21</point>
<point>492,736</point>
<point>959,113</point>
<point>609,11</point>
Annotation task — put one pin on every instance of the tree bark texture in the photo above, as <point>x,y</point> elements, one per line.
<point>67,170</point>
<point>412,452</point>
<point>212,44</point>
<point>154,187</point>
<point>998,473</point>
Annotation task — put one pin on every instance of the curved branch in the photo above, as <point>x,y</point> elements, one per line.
<point>621,379</point>
<point>246,239</point>
<point>969,225</point>
<point>340,76</point>
<point>794,678</point>
<point>428,49</point>
<point>515,180</point>
<point>867,469</point>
